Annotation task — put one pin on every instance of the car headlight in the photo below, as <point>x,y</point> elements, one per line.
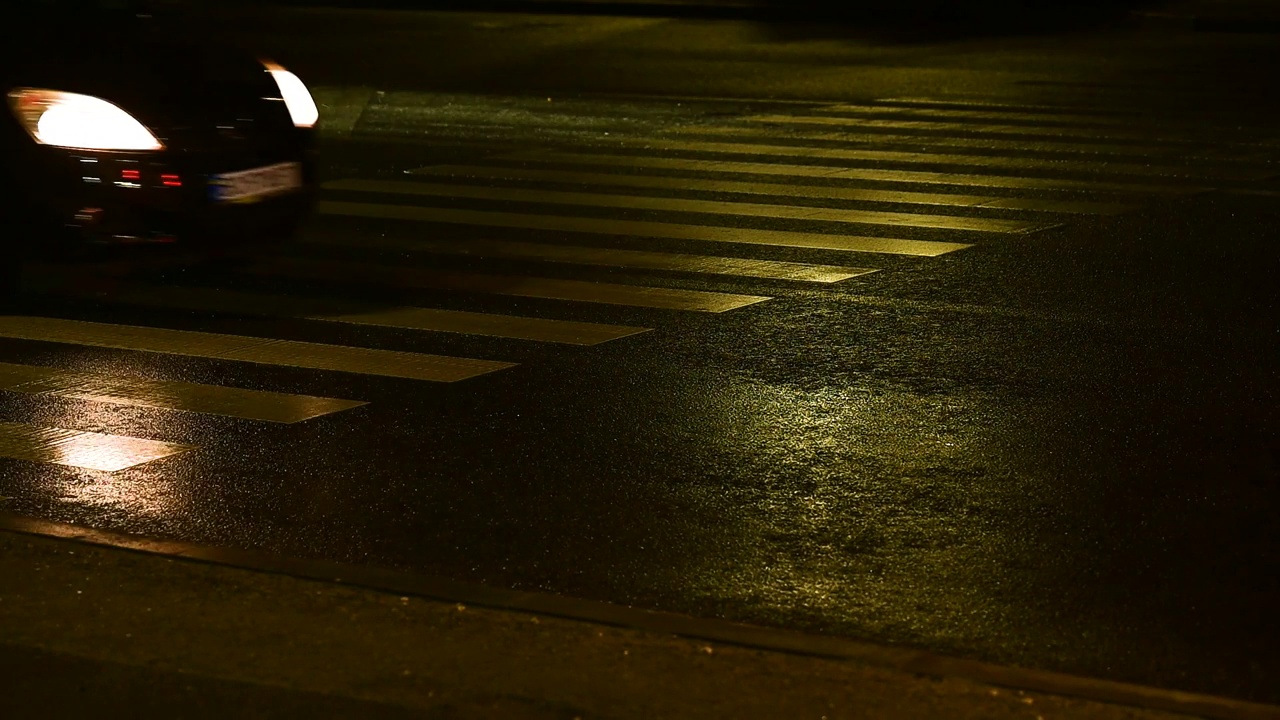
<point>71,120</point>
<point>302,108</point>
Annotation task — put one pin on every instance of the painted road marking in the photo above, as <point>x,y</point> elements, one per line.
<point>76,448</point>
<point>676,262</point>
<point>1264,192</point>
<point>840,173</point>
<point>994,106</point>
<point>1061,117</point>
<point>616,257</point>
<point>168,394</point>
<point>529,287</point>
<point>824,192</point>
<point>1059,206</point>
<point>976,129</point>
<point>665,204</point>
<point>504,326</point>
<point>603,226</point>
<point>1035,113</point>
<point>986,161</point>
<point>410,318</point>
<point>265,351</point>
<point>1057,118</point>
<point>1182,153</point>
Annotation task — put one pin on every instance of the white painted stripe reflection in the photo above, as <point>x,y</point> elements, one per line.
<point>410,318</point>
<point>830,172</point>
<point>993,106</point>
<point>265,351</point>
<point>610,257</point>
<point>961,128</point>
<point>80,449</point>
<point>675,262</point>
<point>777,238</point>
<point>529,287</point>
<point>982,161</point>
<point>1060,117</point>
<point>814,192</point>
<point>118,389</point>
<point>668,204</point>
<point>767,135</point>
<point>491,325</point>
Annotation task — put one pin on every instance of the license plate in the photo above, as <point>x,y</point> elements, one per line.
<point>256,184</point>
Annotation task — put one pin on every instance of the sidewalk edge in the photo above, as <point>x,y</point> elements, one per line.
<point>730,633</point>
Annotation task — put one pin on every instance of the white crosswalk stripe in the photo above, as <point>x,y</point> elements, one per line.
<point>125,390</point>
<point>960,128</point>
<point>989,105</point>
<point>611,257</point>
<point>680,205</point>
<point>518,286</point>
<point>264,351</point>
<point>981,161</point>
<point>641,228</point>
<point>1182,154</point>
<point>832,172</point>
<point>776,189</point>
<point>411,318</point>
<point>1061,117</point>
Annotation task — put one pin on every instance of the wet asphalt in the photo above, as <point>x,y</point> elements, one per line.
<point>1054,449</point>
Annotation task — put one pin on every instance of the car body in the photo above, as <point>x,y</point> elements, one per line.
<point>221,155</point>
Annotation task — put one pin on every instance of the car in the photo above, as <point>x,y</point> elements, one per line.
<point>123,130</point>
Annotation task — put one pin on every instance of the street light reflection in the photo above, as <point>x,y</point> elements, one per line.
<point>112,462</point>
<point>99,451</point>
<point>843,498</point>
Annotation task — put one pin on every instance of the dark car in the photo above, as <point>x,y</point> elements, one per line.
<point>123,129</point>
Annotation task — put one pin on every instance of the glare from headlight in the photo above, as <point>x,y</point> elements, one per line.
<point>71,120</point>
<point>302,108</point>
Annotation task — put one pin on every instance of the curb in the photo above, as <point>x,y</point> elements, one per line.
<point>748,636</point>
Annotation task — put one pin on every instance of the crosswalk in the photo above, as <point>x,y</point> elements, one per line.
<point>744,208</point>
